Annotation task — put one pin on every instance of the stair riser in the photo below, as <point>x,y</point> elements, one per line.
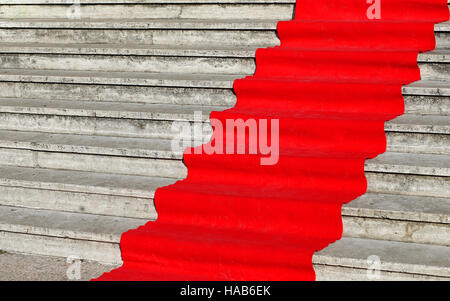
<point>133,94</point>
<point>62,247</point>
<point>396,230</point>
<point>78,202</point>
<point>442,39</point>
<point>371,166</point>
<point>99,126</point>
<point>397,126</point>
<point>433,105</point>
<point>129,63</point>
<point>339,273</point>
<point>418,143</point>
<point>154,11</point>
<point>244,38</point>
<point>434,71</point>
<point>408,184</point>
<point>94,163</point>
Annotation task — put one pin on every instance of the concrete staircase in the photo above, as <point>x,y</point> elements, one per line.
<point>87,114</point>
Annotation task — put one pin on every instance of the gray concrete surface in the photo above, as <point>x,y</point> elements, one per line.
<point>20,267</point>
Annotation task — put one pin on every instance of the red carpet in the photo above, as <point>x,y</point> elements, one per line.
<point>333,82</point>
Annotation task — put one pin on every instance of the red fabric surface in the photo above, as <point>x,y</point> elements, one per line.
<point>333,82</point>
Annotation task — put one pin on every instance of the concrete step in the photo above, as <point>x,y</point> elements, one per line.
<point>402,218</point>
<point>106,119</point>
<point>166,64</point>
<point>422,143</point>
<point>422,97</point>
<point>150,121</point>
<point>419,124</point>
<point>405,163</point>
<point>442,31</point>
<point>434,65</point>
<point>162,10</point>
<point>152,157</point>
<point>82,182</point>
<point>408,184</point>
<point>120,78</point>
<point>118,93</point>
<point>96,238</point>
<point>353,259</point>
<point>25,267</point>
<point>80,192</point>
<point>55,233</point>
<point>260,33</point>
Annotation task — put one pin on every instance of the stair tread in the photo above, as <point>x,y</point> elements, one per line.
<point>437,55</point>
<point>123,78</point>
<point>420,124</point>
<point>411,163</point>
<point>400,207</point>
<point>82,181</point>
<point>443,26</point>
<point>66,224</point>
<point>149,23</point>
<point>394,256</point>
<point>129,49</point>
<point>105,145</point>
<point>106,109</point>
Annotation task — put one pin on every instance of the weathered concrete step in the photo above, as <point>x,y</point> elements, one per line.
<point>119,93</point>
<point>400,207</point>
<point>422,97</point>
<point>178,60</point>
<point>108,110</point>
<point>84,144</point>
<point>426,104</point>
<point>165,64</point>
<point>120,78</point>
<point>418,143</point>
<point>97,237</point>
<point>419,124</point>
<point>239,37</point>
<point>81,182</point>
<point>406,163</point>
<point>119,120</point>
<point>147,23</point>
<point>415,104</point>
<point>424,88</point>
<point>168,10</point>
<point>408,184</point>
<point>427,88</point>
<point>153,121</point>
<point>350,259</point>
<point>26,267</point>
<point>55,233</point>
<point>120,165</point>
<point>141,50</point>
<point>403,218</point>
<point>435,56</point>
